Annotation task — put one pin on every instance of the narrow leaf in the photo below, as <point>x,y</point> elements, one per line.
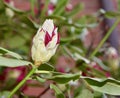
<point>43,13</point>
<point>8,62</point>
<point>77,9</point>
<point>13,54</point>
<point>85,93</point>
<point>41,80</point>
<point>58,92</point>
<point>110,14</point>
<point>46,67</point>
<point>32,3</point>
<point>60,7</point>
<point>108,85</point>
<point>14,9</point>
<point>64,78</point>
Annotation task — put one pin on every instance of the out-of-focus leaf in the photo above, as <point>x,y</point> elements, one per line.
<point>58,92</point>
<point>40,79</point>
<point>112,14</point>
<point>46,67</point>
<point>15,9</point>
<point>77,9</point>
<point>4,94</point>
<point>32,3</point>
<point>64,78</point>
<point>45,9</point>
<point>101,64</point>
<point>1,6</point>
<point>76,56</point>
<point>14,43</point>
<point>68,39</point>
<point>8,62</point>
<point>7,52</point>
<point>79,26</point>
<point>60,7</point>
<point>79,57</point>
<point>29,22</point>
<point>98,95</point>
<point>76,49</point>
<point>56,17</point>
<point>108,85</point>
<point>85,93</point>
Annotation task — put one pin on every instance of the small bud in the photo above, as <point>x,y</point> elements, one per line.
<point>9,12</point>
<point>112,58</point>
<point>45,42</point>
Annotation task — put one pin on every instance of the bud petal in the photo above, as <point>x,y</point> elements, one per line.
<point>45,42</point>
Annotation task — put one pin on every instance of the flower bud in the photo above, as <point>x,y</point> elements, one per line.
<point>45,43</point>
<point>9,12</point>
<point>112,58</point>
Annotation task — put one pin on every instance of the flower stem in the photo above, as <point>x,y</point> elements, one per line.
<point>22,82</point>
<point>104,39</point>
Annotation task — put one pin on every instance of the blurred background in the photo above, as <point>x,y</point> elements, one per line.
<point>82,25</point>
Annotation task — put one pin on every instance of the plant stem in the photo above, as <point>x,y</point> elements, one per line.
<point>104,39</point>
<point>22,82</point>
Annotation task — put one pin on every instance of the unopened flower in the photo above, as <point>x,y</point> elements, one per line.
<point>69,7</point>
<point>112,58</point>
<point>51,8</point>
<point>9,12</point>
<point>45,42</point>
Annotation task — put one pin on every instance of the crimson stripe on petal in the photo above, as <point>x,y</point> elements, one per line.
<point>53,32</point>
<point>47,38</point>
<point>58,39</point>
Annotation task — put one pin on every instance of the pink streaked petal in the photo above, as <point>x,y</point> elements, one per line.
<point>58,39</point>
<point>47,38</point>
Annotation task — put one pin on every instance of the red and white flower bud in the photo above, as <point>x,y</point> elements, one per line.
<point>45,42</point>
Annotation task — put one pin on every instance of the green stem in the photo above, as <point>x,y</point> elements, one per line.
<point>104,39</point>
<point>22,82</point>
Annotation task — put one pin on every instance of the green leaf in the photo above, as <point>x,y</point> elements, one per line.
<point>101,64</point>
<point>79,26</point>
<point>30,22</point>
<point>15,44</point>
<point>46,67</point>
<point>14,9</point>
<point>65,78</point>
<point>32,4</point>
<point>62,18</point>
<point>4,94</point>
<point>69,39</point>
<point>41,80</point>
<point>7,52</point>
<point>8,62</point>
<point>85,93</point>
<point>45,9</point>
<point>60,7</point>
<point>58,92</point>
<point>107,85</point>
<point>98,94</point>
<point>111,14</point>
<point>79,57</point>
<point>1,6</point>
<point>77,9</point>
